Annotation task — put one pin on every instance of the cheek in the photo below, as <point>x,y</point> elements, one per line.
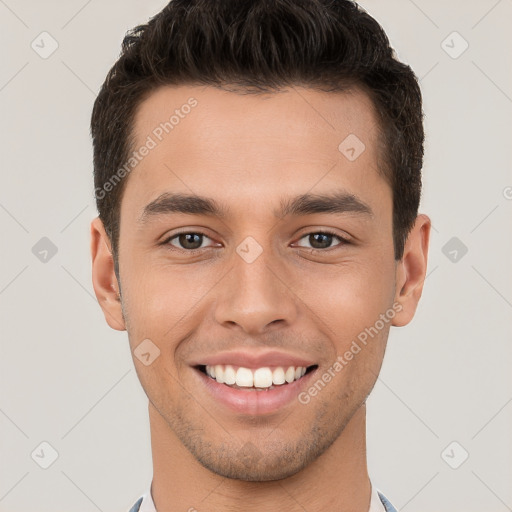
<point>349,297</point>
<point>159,301</point>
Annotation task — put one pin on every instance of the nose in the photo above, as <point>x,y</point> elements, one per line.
<point>255,297</point>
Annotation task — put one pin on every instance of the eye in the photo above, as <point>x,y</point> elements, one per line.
<point>191,241</point>
<point>187,241</point>
<point>322,240</point>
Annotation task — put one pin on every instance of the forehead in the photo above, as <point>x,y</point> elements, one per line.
<point>302,112</point>
<point>206,140</point>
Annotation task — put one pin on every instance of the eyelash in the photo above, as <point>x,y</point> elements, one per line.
<point>343,241</point>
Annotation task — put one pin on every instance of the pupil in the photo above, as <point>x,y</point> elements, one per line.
<point>190,240</point>
<point>320,240</point>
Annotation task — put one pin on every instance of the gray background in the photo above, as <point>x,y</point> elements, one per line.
<point>68,380</point>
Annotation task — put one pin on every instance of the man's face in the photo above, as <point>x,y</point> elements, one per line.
<point>285,296</point>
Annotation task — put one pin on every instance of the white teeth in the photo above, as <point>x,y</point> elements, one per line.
<point>261,378</point>
<point>229,375</point>
<point>244,378</point>
<point>219,374</point>
<point>278,376</point>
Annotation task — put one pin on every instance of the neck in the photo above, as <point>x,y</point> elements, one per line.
<point>337,480</point>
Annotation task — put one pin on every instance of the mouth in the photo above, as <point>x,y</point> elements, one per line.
<point>258,379</point>
<point>253,383</point>
<point>257,391</point>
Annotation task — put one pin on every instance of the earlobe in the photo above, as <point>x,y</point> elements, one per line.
<point>104,279</point>
<point>411,271</point>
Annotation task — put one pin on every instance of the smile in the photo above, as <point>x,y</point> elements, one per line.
<point>258,379</point>
<point>253,391</point>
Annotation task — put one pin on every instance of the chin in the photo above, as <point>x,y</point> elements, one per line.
<point>259,471</point>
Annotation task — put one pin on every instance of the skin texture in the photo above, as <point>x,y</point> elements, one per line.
<point>248,152</point>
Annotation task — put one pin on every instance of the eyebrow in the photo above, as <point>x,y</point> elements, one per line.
<point>309,204</point>
<point>305,204</point>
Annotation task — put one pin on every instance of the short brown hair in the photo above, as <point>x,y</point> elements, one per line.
<point>263,45</point>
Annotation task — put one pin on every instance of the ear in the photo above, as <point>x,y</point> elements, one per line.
<point>104,279</point>
<point>411,271</point>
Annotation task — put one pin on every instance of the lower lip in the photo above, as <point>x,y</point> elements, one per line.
<point>254,402</point>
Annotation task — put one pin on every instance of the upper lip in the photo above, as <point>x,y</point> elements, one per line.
<point>254,360</point>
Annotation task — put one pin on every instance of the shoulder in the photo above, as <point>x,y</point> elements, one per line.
<point>387,505</point>
<point>136,507</point>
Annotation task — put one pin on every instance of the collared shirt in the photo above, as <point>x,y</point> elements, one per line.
<point>378,503</point>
